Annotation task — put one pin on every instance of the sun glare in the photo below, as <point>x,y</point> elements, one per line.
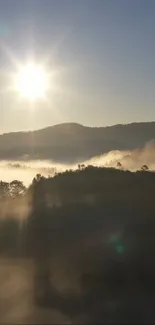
<point>31,82</point>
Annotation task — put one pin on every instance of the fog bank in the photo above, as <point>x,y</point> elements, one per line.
<point>27,170</point>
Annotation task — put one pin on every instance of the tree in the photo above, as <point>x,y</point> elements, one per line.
<point>119,165</point>
<point>4,190</point>
<point>144,168</point>
<point>17,188</point>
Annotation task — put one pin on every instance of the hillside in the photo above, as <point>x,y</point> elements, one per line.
<point>86,245</point>
<point>72,142</point>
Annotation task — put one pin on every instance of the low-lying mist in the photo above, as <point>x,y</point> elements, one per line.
<point>129,159</point>
<point>80,244</point>
<point>27,170</point>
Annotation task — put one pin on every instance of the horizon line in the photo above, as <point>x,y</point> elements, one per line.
<point>79,124</point>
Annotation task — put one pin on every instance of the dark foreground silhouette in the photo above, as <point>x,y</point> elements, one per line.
<point>90,235</point>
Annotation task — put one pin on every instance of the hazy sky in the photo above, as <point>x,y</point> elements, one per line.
<point>103,50</point>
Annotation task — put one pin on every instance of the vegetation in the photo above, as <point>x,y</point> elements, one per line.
<point>99,221</point>
<point>62,142</point>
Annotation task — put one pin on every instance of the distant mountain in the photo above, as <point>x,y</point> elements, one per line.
<point>72,142</point>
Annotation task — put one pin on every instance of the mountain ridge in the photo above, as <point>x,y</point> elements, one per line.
<point>73,142</point>
<point>79,125</point>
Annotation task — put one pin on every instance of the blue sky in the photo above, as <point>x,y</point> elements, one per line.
<point>104,48</point>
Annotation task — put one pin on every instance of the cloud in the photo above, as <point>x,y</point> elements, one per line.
<point>130,160</point>
<point>27,170</point>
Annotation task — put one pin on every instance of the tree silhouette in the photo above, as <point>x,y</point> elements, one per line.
<point>119,165</point>
<point>17,188</point>
<point>144,168</point>
<point>4,189</point>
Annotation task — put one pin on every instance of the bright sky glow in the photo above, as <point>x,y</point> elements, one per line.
<point>101,73</point>
<point>31,82</point>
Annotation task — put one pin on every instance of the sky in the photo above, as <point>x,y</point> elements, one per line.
<point>103,52</point>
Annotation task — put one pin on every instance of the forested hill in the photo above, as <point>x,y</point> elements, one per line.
<point>90,231</point>
<point>72,142</point>
<point>80,201</point>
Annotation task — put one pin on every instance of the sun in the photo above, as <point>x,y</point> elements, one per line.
<point>31,81</point>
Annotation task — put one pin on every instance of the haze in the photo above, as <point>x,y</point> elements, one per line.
<point>101,52</point>
<point>77,161</point>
